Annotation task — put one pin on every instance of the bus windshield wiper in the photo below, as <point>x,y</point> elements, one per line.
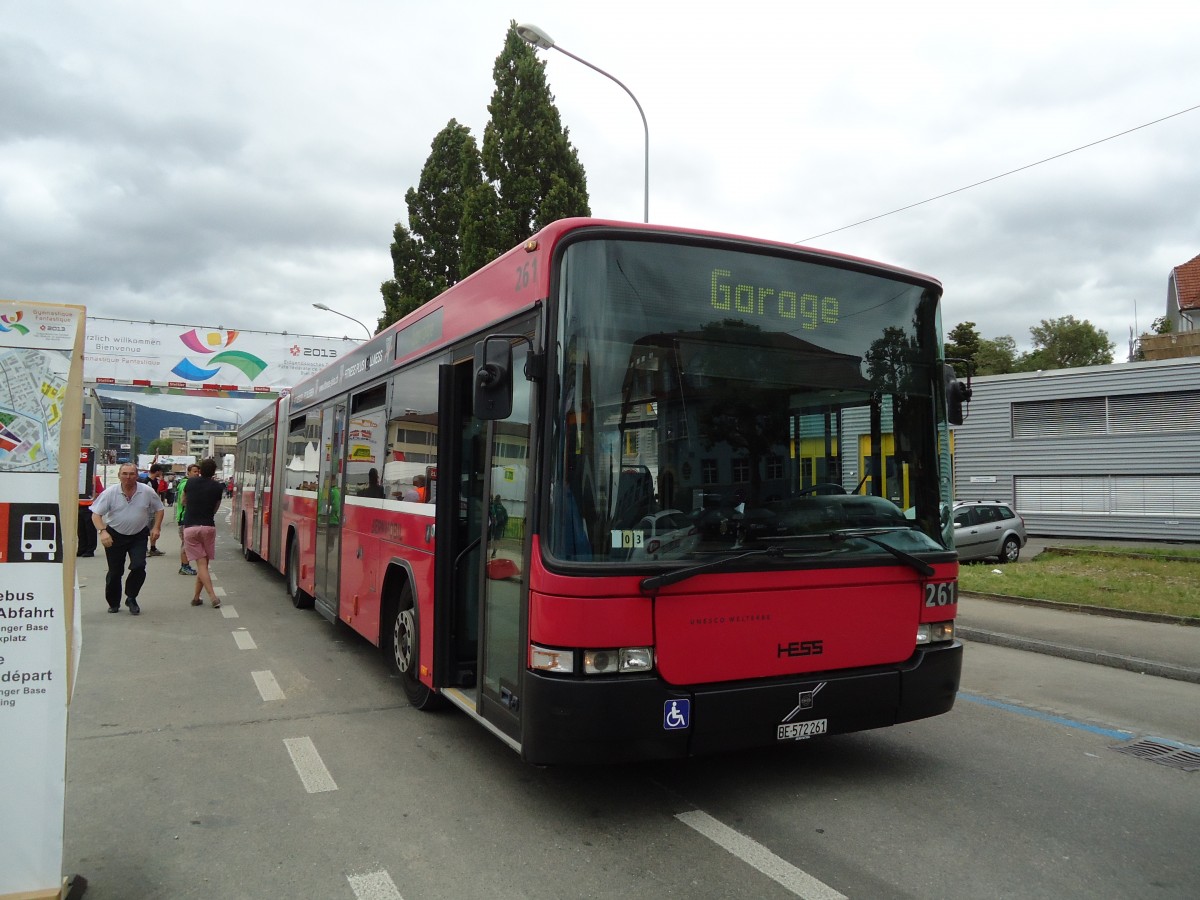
<point>654,582</point>
<point>868,535</point>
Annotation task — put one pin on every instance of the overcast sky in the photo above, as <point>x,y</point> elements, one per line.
<point>232,163</point>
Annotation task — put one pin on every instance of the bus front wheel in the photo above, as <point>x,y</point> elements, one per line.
<point>401,648</point>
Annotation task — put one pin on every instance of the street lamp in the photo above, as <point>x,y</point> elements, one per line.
<point>370,334</point>
<point>539,38</point>
<point>235,412</point>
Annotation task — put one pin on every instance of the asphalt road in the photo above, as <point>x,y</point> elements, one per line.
<point>258,751</point>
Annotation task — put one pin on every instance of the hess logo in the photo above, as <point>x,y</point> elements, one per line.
<point>800,648</point>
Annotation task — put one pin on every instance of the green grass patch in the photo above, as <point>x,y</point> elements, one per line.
<point>1145,582</point>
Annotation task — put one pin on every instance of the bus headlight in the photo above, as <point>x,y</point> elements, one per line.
<point>935,632</point>
<point>545,659</point>
<point>613,662</point>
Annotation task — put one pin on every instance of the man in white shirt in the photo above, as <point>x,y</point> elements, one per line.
<point>125,515</point>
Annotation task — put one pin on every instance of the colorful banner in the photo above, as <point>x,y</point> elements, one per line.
<point>187,358</point>
<point>40,415</point>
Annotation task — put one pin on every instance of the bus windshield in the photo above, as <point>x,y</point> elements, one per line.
<point>712,397</point>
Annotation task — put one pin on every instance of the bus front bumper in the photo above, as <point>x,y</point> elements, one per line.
<point>607,720</point>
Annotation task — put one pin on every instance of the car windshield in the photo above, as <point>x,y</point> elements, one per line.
<point>722,398</point>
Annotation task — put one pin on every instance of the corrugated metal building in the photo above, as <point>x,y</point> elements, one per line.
<point>1102,451</point>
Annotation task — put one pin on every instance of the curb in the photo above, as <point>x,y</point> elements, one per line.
<point>1159,618</point>
<point>1066,651</point>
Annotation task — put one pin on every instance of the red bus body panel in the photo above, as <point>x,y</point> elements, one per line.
<point>372,536</point>
<point>300,518</point>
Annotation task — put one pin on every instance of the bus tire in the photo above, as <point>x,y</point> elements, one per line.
<point>401,643</point>
<point>247,554</point>
<point>300,599</point>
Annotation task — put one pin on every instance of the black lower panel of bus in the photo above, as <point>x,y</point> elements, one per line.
<point>615,720</point>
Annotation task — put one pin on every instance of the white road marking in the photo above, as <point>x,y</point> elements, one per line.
<point>228,611</point>
<point>267,685</point>
<point>755,854</point>
<point>374,886</point>
<point>243,639</point>
<point>308,765</point>
<point>218,590</point>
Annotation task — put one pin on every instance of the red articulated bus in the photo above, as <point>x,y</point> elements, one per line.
<point>634,492</point>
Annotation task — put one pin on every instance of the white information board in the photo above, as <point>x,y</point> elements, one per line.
<point>41,362</point>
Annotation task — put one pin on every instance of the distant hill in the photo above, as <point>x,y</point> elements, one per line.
<point>151,421</point>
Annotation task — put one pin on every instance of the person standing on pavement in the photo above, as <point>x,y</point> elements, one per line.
<point>193,471</point>
<point>160,489</point>
<point>88,539</point>
<point>201,498</point>
<point>125,515</point>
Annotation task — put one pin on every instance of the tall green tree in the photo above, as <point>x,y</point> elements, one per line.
<point>527,154</point>
<point>1065,343</point>
<point>427,256</point>
<point>962,343</point>
<point>460,220</point>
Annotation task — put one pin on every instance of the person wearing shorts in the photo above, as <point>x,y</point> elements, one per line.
<point>202,497</point>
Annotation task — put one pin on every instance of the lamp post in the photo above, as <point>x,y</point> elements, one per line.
<point>235,412</point>
<point>370,334</point>
<point>539,38</point>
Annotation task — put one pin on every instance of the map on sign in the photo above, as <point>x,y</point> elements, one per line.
<point>33,385</point>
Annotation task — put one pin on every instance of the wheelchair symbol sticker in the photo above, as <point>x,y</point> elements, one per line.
<point>676,714</point>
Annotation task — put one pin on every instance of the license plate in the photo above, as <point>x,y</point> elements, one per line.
<point>798,731</point>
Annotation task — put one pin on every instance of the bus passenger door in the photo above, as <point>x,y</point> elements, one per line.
<point>329,508</point>
<point>481,568</point>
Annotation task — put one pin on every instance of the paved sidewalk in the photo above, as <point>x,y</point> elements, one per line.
<point>1154,648</point>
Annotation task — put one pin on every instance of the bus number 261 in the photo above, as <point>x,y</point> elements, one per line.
<point>944,593</point>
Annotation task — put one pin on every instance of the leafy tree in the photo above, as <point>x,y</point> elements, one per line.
<point>483,232</point>
<point>527,155</point>
<point>1065,343</point>
<point>427,256</point>
<point>160,445</point>
<point>996,357</point>
<point>457,220</point>
<point>962,343</point>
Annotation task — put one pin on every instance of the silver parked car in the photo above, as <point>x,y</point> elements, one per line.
<point>987,528</point>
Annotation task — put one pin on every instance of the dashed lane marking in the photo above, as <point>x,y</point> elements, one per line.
<point>755,854</point>
<point>267,686</point>
<point>374,886</point>
<point>228,611</point>
<point>243,639</point>
<point>309,766</point>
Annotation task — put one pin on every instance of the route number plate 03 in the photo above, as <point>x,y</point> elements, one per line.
<point>798,731</point>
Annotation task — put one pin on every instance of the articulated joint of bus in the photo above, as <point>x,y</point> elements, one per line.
<point>609,661</point>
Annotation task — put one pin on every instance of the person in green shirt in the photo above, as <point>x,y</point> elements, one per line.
<point>184,569</point>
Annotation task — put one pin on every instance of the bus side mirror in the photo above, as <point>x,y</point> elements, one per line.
<point>493,397</point>
<point>957,394</point>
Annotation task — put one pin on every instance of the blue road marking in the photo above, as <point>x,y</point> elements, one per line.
<point>1115,733</point>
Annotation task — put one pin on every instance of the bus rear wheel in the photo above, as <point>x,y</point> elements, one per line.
<point>401,650</point>
<point>300,599</point>
<point>247,554</point>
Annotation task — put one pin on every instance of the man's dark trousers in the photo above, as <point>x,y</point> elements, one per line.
<point>135,546</point>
